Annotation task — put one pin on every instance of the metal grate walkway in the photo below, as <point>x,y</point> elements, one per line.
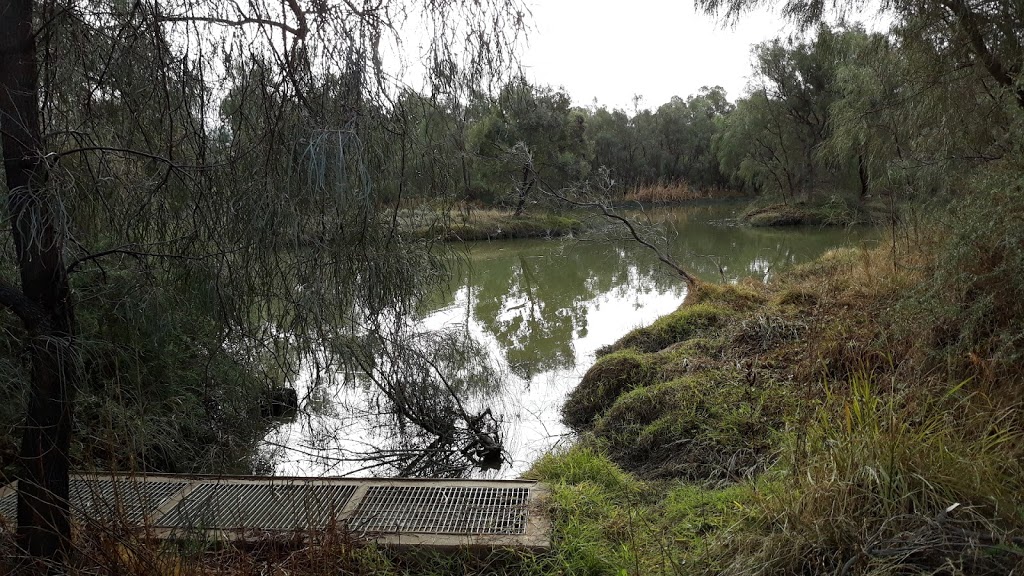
<point>442,513</point>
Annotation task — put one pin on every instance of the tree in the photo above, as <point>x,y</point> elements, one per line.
<point>613,142</point>
<point>529,133</point>
<point>985,34</point>
<point>216,154</point>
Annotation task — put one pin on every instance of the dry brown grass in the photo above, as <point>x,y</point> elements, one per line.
<point>100,551</point>
<point>679,192</point>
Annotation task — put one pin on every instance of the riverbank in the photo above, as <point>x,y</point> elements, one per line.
<point>467,225</point>
<point>846,418</point>
<point>494,224</point>
<point>834,211</point>
<point>810,425</point>
<point>680,193</point>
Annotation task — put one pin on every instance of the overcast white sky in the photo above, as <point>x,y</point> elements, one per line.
<point>611,50</point>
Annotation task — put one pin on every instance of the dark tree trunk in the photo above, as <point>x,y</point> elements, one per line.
<point>865,183</point>
<point>43,303</point>
<point>524,189</point>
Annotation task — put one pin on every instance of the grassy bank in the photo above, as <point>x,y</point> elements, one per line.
<point>490,224</point>
<point>834,211</point>
<point>859,415</point>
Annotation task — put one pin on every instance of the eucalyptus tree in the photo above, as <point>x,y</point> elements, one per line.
<point>219,155</point>
<point>614,143</point>
<point>688,130</point>
<point>529,133</point>
<point>980,33</point>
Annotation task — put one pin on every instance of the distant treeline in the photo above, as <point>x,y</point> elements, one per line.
<point>835,112</point>
<point>530,136</point>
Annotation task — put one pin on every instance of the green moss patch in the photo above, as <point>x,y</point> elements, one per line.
<point>612,375</point>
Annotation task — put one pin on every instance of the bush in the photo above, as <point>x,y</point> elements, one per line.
<point>975,301</point>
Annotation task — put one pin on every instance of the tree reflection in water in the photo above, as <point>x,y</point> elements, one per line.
<point>541,308</point>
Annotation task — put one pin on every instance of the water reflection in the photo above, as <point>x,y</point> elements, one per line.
<point>542,308</point>
<point>533,297</point>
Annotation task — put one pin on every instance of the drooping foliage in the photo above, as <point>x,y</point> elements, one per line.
<point>195,192</point>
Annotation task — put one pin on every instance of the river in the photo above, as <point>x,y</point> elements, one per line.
<point>543,307</point>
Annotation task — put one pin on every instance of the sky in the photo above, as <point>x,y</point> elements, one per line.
<point>612,50</point>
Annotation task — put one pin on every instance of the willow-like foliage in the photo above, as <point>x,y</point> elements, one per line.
<point>222,184</point>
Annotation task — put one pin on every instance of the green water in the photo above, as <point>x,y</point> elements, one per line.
<point>544,306</point>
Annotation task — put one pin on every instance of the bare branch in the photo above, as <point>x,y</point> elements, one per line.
<point>244,21</point>
<point>608,212</point>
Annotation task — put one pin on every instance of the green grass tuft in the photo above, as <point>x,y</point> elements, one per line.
<point>704,426</point>
<point>688,321</point>
<point>606,522</point>
<point>731,296</point>
<point>580,464</point>
<point>606,380</point>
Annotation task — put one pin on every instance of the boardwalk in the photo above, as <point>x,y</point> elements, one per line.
<point>406,512</point>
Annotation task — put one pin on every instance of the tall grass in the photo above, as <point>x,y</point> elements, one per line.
<point>883,483</point>
<point>677,192</point>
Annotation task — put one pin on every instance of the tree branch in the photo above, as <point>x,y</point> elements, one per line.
<point>129,151</point>
<point>244,21</point>
<point>691,281</point>
<point>126,251</point>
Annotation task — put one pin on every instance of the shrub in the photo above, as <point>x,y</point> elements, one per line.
<point>975,301</point>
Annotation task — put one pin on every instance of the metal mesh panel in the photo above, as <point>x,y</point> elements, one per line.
<point>258,506</point>
<point>9,508</point>
<point>124,499</point>
<point>443,510</point>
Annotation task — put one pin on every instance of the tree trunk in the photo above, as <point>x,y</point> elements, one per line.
<point>524,189</point>
<point>44,301</point>
<point>862,172</point>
